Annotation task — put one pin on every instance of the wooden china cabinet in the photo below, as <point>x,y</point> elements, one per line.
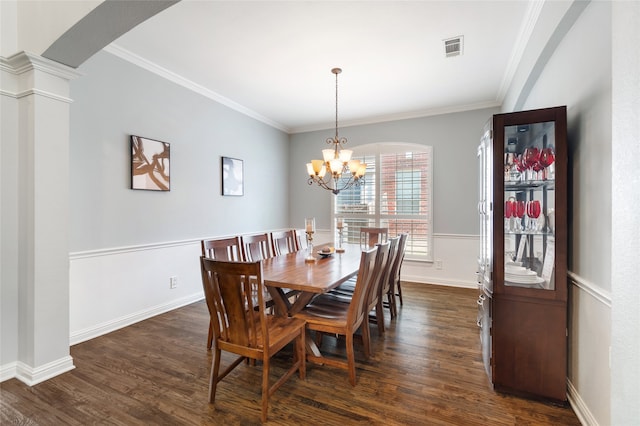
<point>522,303</point>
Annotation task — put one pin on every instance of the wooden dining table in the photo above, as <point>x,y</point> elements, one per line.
<point>292,271</point>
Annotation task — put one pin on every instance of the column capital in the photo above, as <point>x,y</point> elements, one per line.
<point>24,74</point>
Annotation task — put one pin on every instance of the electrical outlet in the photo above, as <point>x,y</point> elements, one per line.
<point>438,264</point>
<point>173,282</point>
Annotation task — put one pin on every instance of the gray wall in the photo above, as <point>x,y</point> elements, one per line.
<point>454,138</point>
<point>115,99</point>
<point>579,76</point>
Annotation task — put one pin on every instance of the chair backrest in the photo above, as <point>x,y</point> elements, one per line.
<point>364,280</point>
<point>382,256</point>
<point>222,249</point>
<point>385,283</point>
<point>394,275</point>
<point>369,237</point>
<point>301,239</point>
<point>283,242</point>
<point>255,247</point>
<point>238,317</point>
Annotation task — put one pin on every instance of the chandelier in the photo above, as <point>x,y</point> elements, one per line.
<point>343,172</point>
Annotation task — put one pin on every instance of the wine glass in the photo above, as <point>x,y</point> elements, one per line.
<point>520,165</point>
<point>533,212</point>
<point>509,212</point>
<point>519,212</point>
<point>509,164</point>
<point>531,156</point>
<point>547,158</point>
<point>536,210</point>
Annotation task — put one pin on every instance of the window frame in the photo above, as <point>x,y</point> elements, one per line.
<point>376,150</point>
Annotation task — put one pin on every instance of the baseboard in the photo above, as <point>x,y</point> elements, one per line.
<point>118,323</point>
<point>421,279</point>
<point>34,375</point>
<point>8,371</point>
<point>579,406</point>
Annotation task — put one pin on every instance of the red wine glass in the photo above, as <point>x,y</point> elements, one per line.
<point>520,207</point>
<point>547,157</point>
<point>531,157</point>
<point>535,214</point>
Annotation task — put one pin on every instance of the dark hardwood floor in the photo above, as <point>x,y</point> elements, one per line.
<point>426,370</point>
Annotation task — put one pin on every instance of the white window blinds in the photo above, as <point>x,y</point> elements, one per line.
<point>396,194</point>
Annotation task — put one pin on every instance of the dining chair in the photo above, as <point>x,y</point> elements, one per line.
<point>221,249</point>
<point>370,236</point>
<point>283,242</point>
<point>385,283</point>
<point>373,303</point>
<point>242,326</point>
<point>343,319</point>
<point>255,247</point>
<point>394,277</point>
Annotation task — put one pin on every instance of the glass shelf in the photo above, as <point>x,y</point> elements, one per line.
<point>534,233</point>
<point>510,185</point>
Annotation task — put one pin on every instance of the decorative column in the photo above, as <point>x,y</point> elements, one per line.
<point>35,215</point>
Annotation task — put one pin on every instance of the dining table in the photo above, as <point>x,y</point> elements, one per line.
<point>294,272</point>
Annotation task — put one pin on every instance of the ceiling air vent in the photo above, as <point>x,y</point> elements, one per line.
<point>453,46</point>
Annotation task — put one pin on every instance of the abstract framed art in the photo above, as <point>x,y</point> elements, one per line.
<point>232,176</point>
<point>150,164</point>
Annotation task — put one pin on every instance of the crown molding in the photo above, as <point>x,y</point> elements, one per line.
<point>397,117</point>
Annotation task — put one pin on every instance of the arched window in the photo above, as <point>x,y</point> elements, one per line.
<point>396,194</point>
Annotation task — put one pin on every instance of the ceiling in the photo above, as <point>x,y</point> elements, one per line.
<point>272,60</point>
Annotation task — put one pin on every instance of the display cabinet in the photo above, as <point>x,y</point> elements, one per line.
<point>522,303</point>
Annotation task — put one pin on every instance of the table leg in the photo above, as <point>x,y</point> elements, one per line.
<point>280,300</point>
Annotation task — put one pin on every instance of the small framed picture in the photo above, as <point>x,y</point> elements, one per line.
<point>232,176</point>
<point>150,164</point>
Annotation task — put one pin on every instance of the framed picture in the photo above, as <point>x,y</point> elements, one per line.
<point>232,176</point>
<point>150,164</point>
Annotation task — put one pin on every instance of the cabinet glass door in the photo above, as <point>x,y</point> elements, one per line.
<point>529,196</point>
<point>485,214</point>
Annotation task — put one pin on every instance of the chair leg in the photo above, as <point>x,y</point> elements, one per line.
<point>215,370</point>
<point>400,292</point>
<point>210,338</point>
<point>351,359</point>
<point>265,387</point>
<point>391,300</point>
<point>380,317</point>
<point>301,343</point>
<point>366,338</point>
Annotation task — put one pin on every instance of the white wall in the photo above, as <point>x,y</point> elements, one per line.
<point>625,334</point>
<point>113,288</point>
<point>9,234</point>
<point>575,70</point>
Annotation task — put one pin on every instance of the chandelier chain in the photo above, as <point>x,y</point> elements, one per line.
<point>337,72</point>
